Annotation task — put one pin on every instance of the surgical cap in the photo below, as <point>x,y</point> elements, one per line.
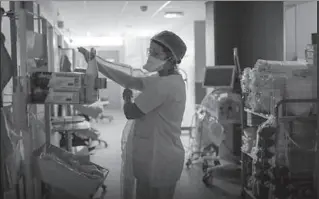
<point>173,42</point>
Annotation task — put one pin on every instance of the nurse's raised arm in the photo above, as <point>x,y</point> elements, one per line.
<point>122,78</point>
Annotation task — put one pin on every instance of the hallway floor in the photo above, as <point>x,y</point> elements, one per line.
<point>189,187</point>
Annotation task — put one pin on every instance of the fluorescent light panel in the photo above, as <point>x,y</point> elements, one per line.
<point>171,15</point>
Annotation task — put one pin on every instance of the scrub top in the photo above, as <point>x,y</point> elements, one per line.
<point>158,153</point>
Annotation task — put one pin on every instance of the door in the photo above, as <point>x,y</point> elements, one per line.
<point>113,90</point>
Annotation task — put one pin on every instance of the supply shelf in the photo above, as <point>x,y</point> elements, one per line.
<point>288,165</point>
<point>33,67</point>
<point>302,178</point>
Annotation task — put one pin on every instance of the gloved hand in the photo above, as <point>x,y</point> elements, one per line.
<point>2,38</point>
<point>87,55</point>
<point>127,95</point>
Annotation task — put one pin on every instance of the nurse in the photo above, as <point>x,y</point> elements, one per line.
<point>158,153</point>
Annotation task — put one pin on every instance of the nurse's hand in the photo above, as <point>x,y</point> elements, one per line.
<point>2,38</point>
<point>127,95</point>
<point>88,55</point>
<point>85,53</point>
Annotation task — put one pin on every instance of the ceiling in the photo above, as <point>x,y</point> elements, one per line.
<point>125,18</point>
<point>293,3</point>
<point>122,18</point>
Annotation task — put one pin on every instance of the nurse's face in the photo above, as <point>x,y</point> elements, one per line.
<point>156,51</point>
<point>157,58</point>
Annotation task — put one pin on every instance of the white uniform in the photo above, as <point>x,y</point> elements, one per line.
<point>158,153</point>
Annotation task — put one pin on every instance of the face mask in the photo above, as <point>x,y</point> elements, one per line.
<point>153,64</point>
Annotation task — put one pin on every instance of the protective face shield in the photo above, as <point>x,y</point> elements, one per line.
<point>154,64</point>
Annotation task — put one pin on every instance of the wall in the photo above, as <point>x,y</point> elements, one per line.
<point>188,65</point>
<point>135,53</point>
<point>113,91</point>
<point>300,23</point>
<point>227,27</point>
<point>264,37</point>
<point>199,59</point>
<point>256,28</point>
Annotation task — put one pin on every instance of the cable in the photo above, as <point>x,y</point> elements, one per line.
<point>185,79</point>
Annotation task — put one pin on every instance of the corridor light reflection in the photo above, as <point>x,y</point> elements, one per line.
<point>97,41</point>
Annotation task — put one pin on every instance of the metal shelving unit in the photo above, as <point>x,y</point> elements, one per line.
<point>24,112</point>
<point>251,118</point>
<point>248,158</point>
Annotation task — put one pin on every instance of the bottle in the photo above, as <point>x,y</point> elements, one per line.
<point>91,92</point>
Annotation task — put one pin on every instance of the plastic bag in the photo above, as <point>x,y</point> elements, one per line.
<point>299,88</point>
<point>222,105</point>
<point>216,135</point>
<point>208,131</point>
<point>266,131</point>
<point>127,177</point>
<point>245,80</point>
<point>92,110</point>
<point>12,147</point>
<point>266,90</point>
<point>260,80</point>
<point>279,67</point>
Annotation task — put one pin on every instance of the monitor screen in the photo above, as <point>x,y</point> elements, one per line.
<point>219,76</point>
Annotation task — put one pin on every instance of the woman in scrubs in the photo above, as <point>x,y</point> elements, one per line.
<point>158,153</point>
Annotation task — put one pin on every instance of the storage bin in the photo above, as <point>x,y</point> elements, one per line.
<point>63,177</point>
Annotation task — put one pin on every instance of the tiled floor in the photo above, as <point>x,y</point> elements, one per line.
<point>189,187</point>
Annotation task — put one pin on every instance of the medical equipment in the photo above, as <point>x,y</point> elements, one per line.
<point>219,77</point>
<point>198,146</point>
<point>216,108</point>
<point>221,116</point>
<point>218,112</point>
<point>64,87</point>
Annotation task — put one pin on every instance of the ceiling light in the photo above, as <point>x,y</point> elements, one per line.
<point>171,15</point>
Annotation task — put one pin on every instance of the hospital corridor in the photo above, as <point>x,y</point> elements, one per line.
<point>159,99</point>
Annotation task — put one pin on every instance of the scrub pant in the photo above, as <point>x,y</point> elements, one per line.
<point>145,191</point>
